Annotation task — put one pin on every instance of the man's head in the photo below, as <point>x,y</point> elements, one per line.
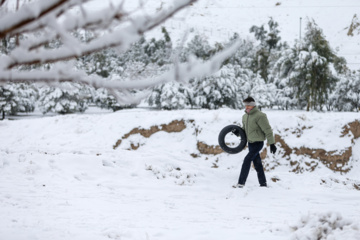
<point>249,103</point>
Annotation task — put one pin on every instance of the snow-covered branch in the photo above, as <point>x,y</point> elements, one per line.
<point>30,13</point>
<point>45,21</point>
<point>121,38</point>
<point>181,72</point>
<point>2,2</point>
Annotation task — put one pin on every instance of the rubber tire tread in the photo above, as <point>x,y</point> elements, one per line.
<point>224,132</point>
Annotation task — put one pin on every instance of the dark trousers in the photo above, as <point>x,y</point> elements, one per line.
<point>253,156</point>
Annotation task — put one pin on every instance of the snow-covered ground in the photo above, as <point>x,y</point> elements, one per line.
<point>61,178</point>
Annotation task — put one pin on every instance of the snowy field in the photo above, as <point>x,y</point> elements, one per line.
<point>69,177</point>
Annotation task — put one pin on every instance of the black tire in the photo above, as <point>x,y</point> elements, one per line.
<point>230,129</point>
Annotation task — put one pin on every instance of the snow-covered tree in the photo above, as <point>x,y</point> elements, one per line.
<point>244,55</point>
<point>264,93</point>
<point>284,94</point>
<point>7,44</point>
<point>16,98</point>
<point>44,21</point>
<point>172,95</point>
<point>70,98</point>
<point>159,51</point>
<point>346,96</point>
<point>200,48</point>
<point>7,102</point>
<point>285,97</point>
<point>228,87</point>
<point>307,68</point>
<point>103,99</point>
<point>266,51</point>
<point>217,90</point>
<point>103,63</point>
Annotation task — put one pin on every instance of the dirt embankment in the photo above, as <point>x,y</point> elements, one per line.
<point>332,159</point>
<point>336,162</point>
<point>174,126</point>
<point>208,149</point>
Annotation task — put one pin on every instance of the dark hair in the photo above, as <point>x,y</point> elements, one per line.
<point>249,99</point>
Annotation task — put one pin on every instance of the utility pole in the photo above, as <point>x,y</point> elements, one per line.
<point>300,29</point>
<point>17,35</point>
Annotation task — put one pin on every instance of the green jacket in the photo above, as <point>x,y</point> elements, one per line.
<point>257,127</point>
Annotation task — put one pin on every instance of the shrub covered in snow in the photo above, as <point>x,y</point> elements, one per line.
<point>330,226</point>
<point>16,98</point>
<point>68,99</point>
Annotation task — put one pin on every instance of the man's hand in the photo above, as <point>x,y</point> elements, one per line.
<point>236,132</point>
<point>272,148</point>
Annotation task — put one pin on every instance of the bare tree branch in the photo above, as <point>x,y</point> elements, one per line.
<point>27,15</point>
<point>2,2</point>
<point>43,17</point>
<point>120,38</point>
<point>181,73</point>
<point>75,22</point>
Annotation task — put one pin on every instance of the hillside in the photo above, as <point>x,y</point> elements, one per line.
<point>219,19</point>
<point>141,174</point>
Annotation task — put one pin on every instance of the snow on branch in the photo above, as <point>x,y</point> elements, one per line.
<point>121,38</point>
<point>181,72</point>
<point>28,14</point>
<point>45,21</point>
<point>2,2</point>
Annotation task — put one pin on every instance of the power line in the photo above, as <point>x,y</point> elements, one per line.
<point>278,7</point>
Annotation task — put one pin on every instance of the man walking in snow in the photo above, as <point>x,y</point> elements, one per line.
<point>257,129</point>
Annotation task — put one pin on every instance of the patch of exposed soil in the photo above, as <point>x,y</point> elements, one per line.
<point>208,149</point>
<point>353,127</point>
<point>336,162</point>
<point>275,179</point>
<point>331,159</point>
<point>348,182</point>
<point>174,126</point>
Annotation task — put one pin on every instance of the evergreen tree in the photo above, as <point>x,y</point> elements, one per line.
<point>315,58</point>
<point>102,63</point>
<point>285,93</point>
<point>245,53</point>
<point>136,53</point>
<point>269,43</point>
<point>159,51</point>
<point>70,98</point>
<point>7,102</point>
<point>346,96</point>
<point>15,98</point>
<point>307,66</point>
<point>103,99</point>
<point>172,95</point>
<point>153,51</point>
<point>228,87</point>
<point>200,48</point>
<point>263,92</point>
<point>144,59</point>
